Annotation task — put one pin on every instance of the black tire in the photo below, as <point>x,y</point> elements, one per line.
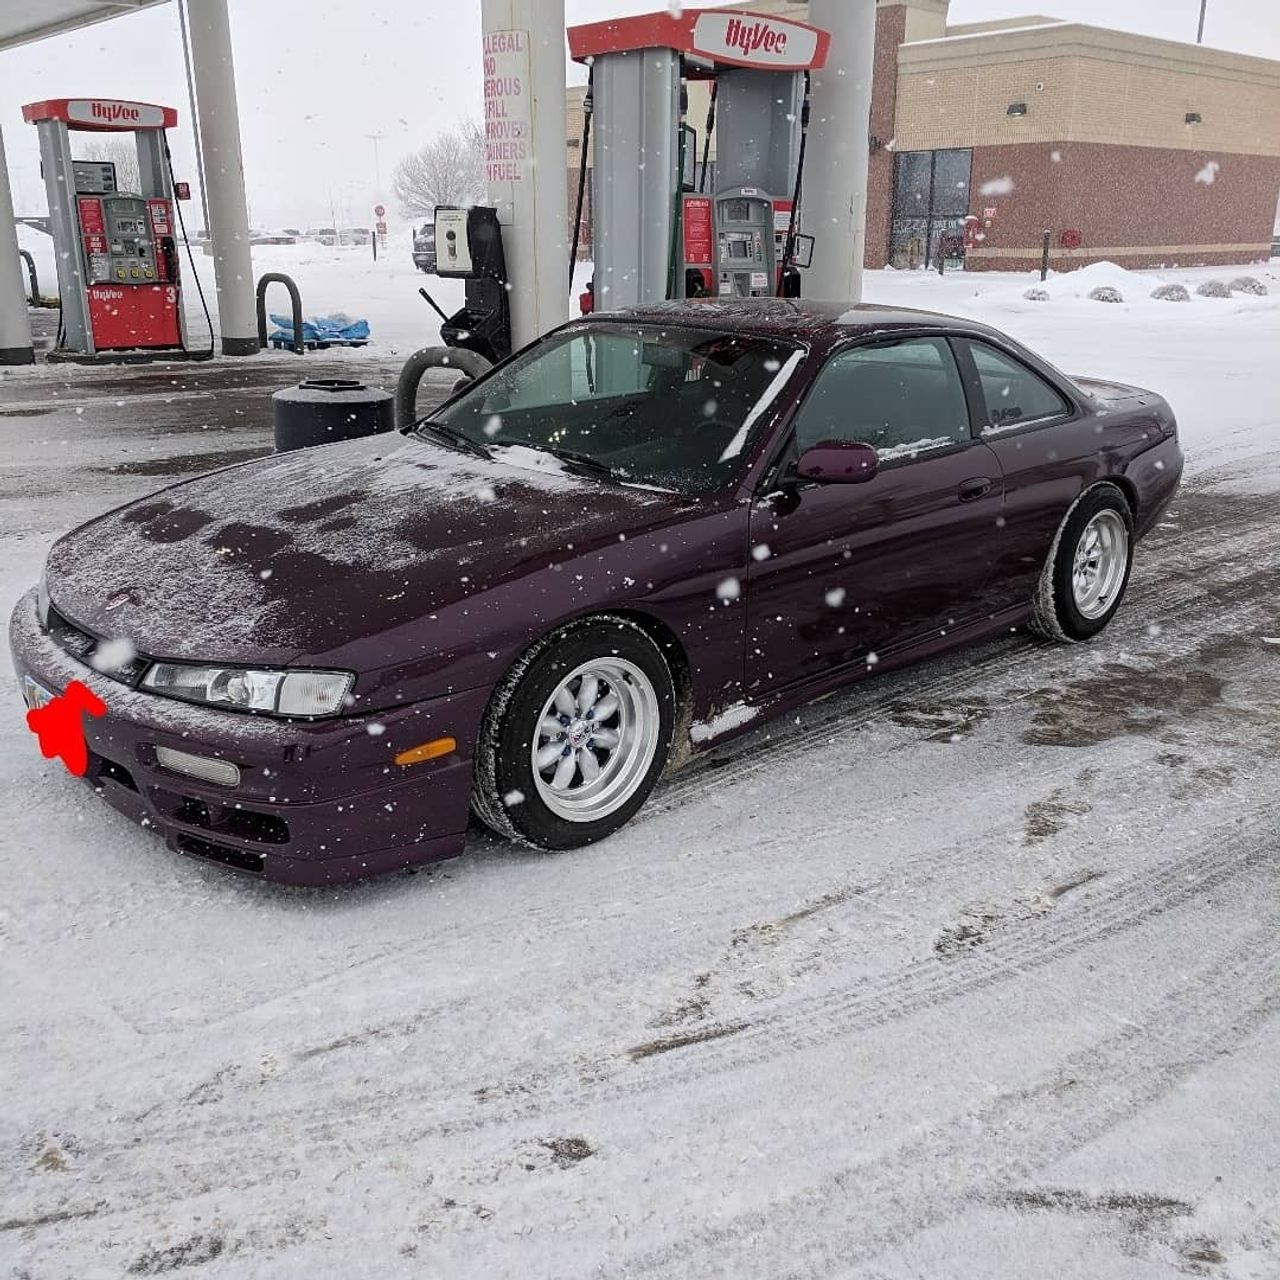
<point>1056,615</point>
<point>506,795</point>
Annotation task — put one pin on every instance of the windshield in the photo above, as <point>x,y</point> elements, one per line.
<point>671,407</point>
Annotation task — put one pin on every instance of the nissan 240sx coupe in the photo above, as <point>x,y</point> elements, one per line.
<point>647,531</point>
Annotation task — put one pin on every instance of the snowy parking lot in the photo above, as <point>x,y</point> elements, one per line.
<point>972,971</point>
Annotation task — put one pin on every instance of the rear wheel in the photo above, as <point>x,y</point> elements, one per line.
<point>575,736</point>
<point>1088,568</point>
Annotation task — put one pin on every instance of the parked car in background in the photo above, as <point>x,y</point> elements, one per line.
<point>326,235</point>
<point>424,247</point>
<point>285,235</point>
<point>647,532</point>
<point>355,235</point>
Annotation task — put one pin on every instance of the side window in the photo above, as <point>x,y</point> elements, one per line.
<point>1014,394</point>
<point>903,398</point>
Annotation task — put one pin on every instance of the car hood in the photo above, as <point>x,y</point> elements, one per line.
<point>305,552</point>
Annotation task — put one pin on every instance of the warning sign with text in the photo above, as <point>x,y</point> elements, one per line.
<point>507,112</point>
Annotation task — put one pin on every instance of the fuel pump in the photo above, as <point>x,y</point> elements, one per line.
<point>654,234</point>
<point>118,274</point>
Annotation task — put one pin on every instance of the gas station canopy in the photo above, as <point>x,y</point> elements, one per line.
<point>22,23</point>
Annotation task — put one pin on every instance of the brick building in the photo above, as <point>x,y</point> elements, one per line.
<point>1144,151</point>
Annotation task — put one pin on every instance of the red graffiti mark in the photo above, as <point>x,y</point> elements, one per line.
<point>60,727</point>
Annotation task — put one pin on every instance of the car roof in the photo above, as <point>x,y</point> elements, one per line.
<point>811,319</point>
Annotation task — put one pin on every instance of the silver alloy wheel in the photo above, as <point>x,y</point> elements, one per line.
<point>596,738</point>
<point>1100,564</point>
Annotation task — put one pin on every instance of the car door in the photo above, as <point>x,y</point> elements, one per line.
<point>839,572</point>
<point>1036,432</point>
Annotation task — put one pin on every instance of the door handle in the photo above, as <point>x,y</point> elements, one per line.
<point>972,490</point>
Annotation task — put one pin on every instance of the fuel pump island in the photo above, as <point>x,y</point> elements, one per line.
<point>658,231</point>
<point>118,275</point>
<point>663,226</point>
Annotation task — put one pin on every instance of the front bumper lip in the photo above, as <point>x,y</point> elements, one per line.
<point>319,801</point>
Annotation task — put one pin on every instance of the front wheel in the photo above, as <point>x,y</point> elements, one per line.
<point>576,735</point>
<point>1088,568</point>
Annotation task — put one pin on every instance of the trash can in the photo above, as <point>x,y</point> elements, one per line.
<point>321,410</point>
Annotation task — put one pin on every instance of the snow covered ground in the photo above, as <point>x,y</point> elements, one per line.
<point>970,973</point>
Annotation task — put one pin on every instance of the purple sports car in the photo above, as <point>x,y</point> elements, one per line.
<point>648,531</point>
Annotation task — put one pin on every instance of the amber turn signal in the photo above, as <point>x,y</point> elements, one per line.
<point>427,751</point>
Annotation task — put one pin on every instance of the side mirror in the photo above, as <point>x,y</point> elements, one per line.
<point>838,462</point>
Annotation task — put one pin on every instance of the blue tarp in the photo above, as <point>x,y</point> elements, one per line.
<point>338,328</point>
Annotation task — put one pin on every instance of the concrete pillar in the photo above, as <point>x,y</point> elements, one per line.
<point>835,171</point>
<point>524,56</point>
<point>15,325</point>
<point>215,81</point>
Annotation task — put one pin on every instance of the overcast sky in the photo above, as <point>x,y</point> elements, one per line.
<point>315,78</point>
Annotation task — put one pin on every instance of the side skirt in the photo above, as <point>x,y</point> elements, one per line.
<point>781,701</point>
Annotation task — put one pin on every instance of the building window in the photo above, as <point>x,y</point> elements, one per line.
<point>930,201</point>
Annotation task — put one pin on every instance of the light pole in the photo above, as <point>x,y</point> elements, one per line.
<point>1200,31</point>
<point>375,138</point>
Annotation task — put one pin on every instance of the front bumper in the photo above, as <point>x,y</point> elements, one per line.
<point>318,801</point>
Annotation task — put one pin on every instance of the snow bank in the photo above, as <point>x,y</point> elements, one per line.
<point>1083,291</point>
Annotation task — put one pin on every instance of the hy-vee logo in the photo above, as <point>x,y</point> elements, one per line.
<point>109,112</point>
<point>112,113</point>
<point>759,35</point>
<point>754,41</point>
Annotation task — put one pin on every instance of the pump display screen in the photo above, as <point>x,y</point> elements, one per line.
<point>738,248</point>
<point>736,210</point>
<point>94,177</point>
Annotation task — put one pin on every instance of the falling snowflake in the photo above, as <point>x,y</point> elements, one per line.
<point>835,597</point>
<point>111,655</point>
<point>997,187</point>
<point>760,552</point>
<point>729,589</point>
<point>1208,173</point>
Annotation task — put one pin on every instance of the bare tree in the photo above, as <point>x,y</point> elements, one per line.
<point>448,170</point>
<point>123,153</point>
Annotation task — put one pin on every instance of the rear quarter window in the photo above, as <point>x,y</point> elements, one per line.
<point>1014,395</point>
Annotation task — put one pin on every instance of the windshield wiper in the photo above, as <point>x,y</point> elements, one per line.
<point>582,462</point>
<point>458,439</point>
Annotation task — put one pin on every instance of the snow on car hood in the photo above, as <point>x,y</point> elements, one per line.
<point>305,551</point>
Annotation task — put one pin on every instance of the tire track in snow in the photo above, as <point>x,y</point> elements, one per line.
<point>1111,907</point>
<point>1116,905</point>
<point>895,1195</point>
<point>865,1208</point>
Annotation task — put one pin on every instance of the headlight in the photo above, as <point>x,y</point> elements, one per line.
<point>281,693</point>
